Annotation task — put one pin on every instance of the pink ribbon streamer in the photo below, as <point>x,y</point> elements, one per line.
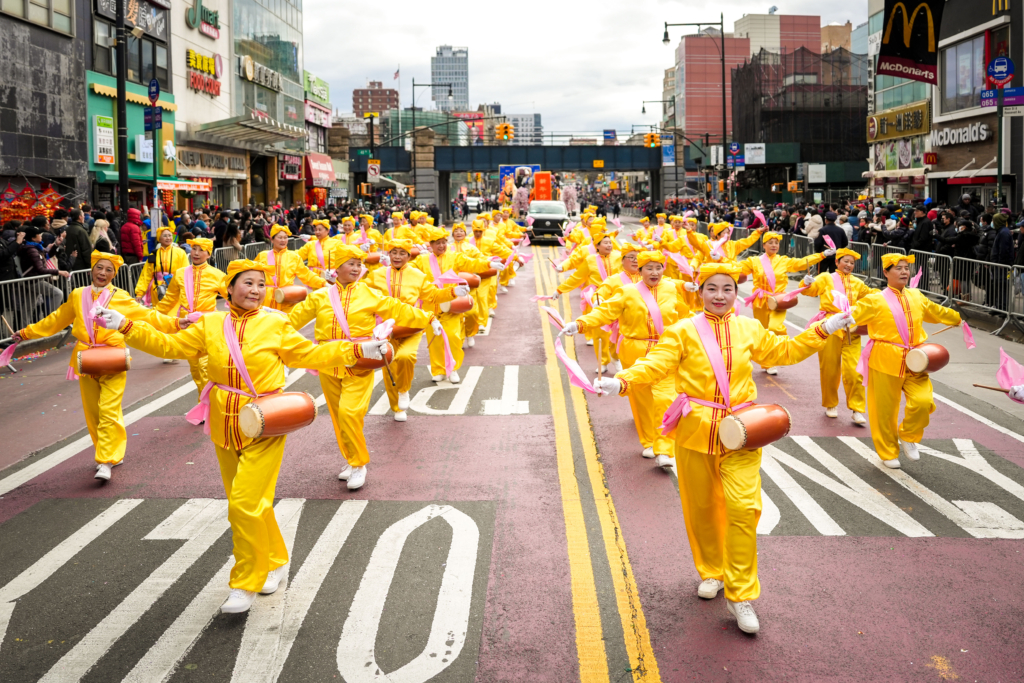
<point>554,317</point>
<point>587,294</point>
<point>914,281</point>
<point>542,297</point>
<point>561,240</point>
<point>968,336</point>
<point>829,242</point>
<point>681,263</point>
<point>1010,374</point>
<point>577,377</point>
<point>449,359</point>
<point>529,220</point>
<point>449,278</point>
<point>618,223</point>
<point>7,355</point>
<point>758,218</point>
<point>820,315</point>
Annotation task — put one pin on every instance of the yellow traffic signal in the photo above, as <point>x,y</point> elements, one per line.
<point>655,140</point>
<point>504,131</point>
<point>647,140</point>
<point>510,131</point>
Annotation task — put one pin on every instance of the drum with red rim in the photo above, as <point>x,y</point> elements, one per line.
<point>277,414</point>
<point>373,364</point>
<point>777,303</point>
<point>755,426</point>
<point>103,360</point>
<point>927,358</point>
<point>461,304</point>
<point>292,294</point>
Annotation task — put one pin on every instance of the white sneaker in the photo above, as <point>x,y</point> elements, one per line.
<point>170,361</point>
<point>437,378</point>
<point>832,412</point>
<point>492,314</point>
<point>403,400</point>
<point>664,462</point>
<point>238,601</point>
<point>103,472</point>
<point>648,452</point>
<point>614,367</point>
<point>893,464</point>
<point>401,416</point>
<point>771,371</point>
<point>708,588</point>
<point>860,419</point>
<point>471,342</point>
<point>502,289</point>
<point>357,478</point>
<point>273,581</point>
<point>454,378</point>
<point>345,473</point>
<point>910,450</point>
<point>590,342</point>
<point>512,282</point>
<point>746,619</point>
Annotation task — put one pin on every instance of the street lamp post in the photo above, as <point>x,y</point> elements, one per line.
<point>721,28</point>
<point>121,55</point>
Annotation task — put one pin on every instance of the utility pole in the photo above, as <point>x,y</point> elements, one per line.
<point>121,55</point>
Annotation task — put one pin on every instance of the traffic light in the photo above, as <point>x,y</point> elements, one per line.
<point>655,140</point>
<point>505,132</point>
<point>648,140</point>
<point>510,132</point>
<point>796,186</point>
<point>777,187</point>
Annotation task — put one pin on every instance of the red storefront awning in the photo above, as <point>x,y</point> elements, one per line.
<point>319,171</point>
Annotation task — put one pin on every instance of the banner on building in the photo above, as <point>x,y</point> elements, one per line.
<point>910,40</point>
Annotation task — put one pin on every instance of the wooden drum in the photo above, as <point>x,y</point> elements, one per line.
<point>103,360</point>
<point>859,330</point>
<point>742,279</point>
<point>490,272</point>
<point>471,279</point>
<point>277,414</point>
<point>371,364</point>
<point>461,304</point>
<point>927,358</point>
<point>400,332</point>
<point>372,259</point>
<point>755,426</point>
<point>780,304</point>
<point>292,294</point>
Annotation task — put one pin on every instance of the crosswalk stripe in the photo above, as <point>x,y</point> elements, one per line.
<point>815,514</point>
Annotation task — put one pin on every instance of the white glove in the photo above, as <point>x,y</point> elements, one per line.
<point>1017,392</point>
<point>385,260</point>
<point>331,276</point>
<point>829,252</point>
<point>111,319</point>
<point>570,328</point>
<point>498,265</point>
<point>374,350</point>
<point>435,325</point>
<point>837,321</point>
<point>558,268</point>
<point>808,279</point>
<point>691,286</point>
<point>365,246</point>
<point>607,386</point>
<point>461,290</point>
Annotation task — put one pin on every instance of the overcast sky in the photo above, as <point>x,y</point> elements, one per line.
<point>584,66</point>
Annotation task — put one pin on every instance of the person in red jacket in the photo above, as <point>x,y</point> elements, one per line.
<point>131,238</point>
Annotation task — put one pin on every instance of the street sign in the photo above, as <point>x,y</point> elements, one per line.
<point>598,163</point>
<point>1017,110</point>
<point>1011,96</point>
<point>373,170</point>
<point>154,91</point>
<point>152,118</point>
<point>1000,70</point>
<point>734,148</point>
<point>362,152</point>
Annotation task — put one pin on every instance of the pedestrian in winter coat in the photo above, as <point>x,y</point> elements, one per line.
<point>839,238</point>
<point>11,239</point>
<point>98,237</point>
<point>131,238</point>
<point>922,239</point>
<point>1002,246</point>
<point>77,243</point>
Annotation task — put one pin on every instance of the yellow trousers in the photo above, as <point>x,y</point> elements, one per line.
<point>649,401</point>
<point>607,348</point>
<point>884,410</point>
<point>506,275</point>
<point>721,496</point>
<point>403,367</point>
<point>101,401</point>
<point>482,298</point>
<point>838,360</point>
<point>773,321</point>
<point>199,375</point>
<point>452,324</point>
<point>250,477</point>
<point>348,399</point>
<point>492,291</point>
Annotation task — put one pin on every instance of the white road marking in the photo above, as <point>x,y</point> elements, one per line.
<point>993,521</point>
<point>973,460</point>
<point>815,514</point>
<point>356,660</point>
<point>509,403</point>
<point>84,655</point>
<point>770,515</point>
<point>464,391</point>
<point>48,564</point>
<point>182,522</point>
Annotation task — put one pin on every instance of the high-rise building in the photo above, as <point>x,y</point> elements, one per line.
<point>781,33</point>
<point>698,73</point>
<point>374,98</point>
<point>450,66</point>
<point>835,36</point>
<point>668,95</point>
<point>528,129</point>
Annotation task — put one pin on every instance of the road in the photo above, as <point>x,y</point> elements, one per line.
<point>510,531</point>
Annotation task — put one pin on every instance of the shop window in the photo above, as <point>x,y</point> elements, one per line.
<point>55,14</point>
<point>134,71</point>
<point>963,73</point>
<point>148,70</point>
<point>161,66</point>
<point>102,56</point>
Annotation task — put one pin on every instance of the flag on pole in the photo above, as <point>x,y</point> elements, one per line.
<point>397,71</point>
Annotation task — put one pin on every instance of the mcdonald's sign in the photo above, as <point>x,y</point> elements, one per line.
<point>910,37</point>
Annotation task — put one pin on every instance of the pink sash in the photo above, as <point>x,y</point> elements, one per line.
<point>680,408</point>
<point>272,261</point>
<point>658,229</point>
<point>601,270</point>
<point>769,274</point>
<point>652,307</point>
<point>339,311</point>
<point>319,253</point>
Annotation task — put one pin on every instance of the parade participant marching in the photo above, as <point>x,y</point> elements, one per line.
<point>894,318</point>
<point>709,357</point>
<point>643,311</point>
<point>719,247</point>
<point>649,235</point>
<point>286,265</point>
<point>590,274</point>
<point>486,241</point>
<point>434,264</point>
<point>192,293</point>
<point>161,265</point>
<point>316,252</point>
<point>838,360</point>
<point>102,394</point>
<point>248,348</point>
<point>398,279</point>
<point>471,321</point>
<point>770,273</point>
<point>349,310</point>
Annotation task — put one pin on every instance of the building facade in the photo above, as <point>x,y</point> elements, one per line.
<point>528,129</point>
<point>698,75</point>
<point>779,33</point>
<point>450,66</point>
<point>835,36</point>
<point>668,93</point>
<point>373,98</point>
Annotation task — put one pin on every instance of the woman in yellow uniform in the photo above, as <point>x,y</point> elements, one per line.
<point>591,273</point>
<point>649,234</point>
<point>349,310</point>
<point>644,311</point>
<point>194,290</point>
<point>838,360</point>
<point>287,265</point>
<point>486,240</point>
<point>398,279</point>
<point>266,343</point>
<point>709,358</point>
<point>471,321</point>
<point>101,394</point>
<point>160,267</point>
<point>885,313</point>
<point>770,274</point>
<point>316,253</point>
<point>714,249</point>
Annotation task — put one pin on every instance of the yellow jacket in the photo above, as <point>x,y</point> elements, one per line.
<point>873,310</point>
<point>307,252</point>
<point>823,287</point>
<point>489,247</point>
<point>782,266</point>
<point>744,342</point>
<point>588,273</point>
<point>667,234</point>
<point>268,344</point>
<point>457,261</point>
<point>164,260</point>
<point>409,285</point>
<point>288,266</point>
<point>362,307</point>
<point>466,247</point>
<point>731,248</point>
<point>70,313</point>
<point>612,285</point>
<point>207,284</point>
<point>629,308</point>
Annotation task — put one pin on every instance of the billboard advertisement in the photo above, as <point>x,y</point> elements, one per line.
<point>520,173</point>
<point>542,186</point>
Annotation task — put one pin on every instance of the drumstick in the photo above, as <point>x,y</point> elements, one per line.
<point>945,328</point>
<point>387,368</point>
<point>600,366</point>
<point>8,325</point>
<point>982,386</point>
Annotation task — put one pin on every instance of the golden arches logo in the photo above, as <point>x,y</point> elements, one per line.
<point>1000,6</point>
<point>909,22</point>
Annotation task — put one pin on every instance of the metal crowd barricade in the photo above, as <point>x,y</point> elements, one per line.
<point>1016,308</point>
<point>801,246</point>
<point>294,243</point>
<point>936,271</point>
<point>862,267</point>
<point>78,278</point>
<point>978,284</point>
<point>252,249</point>
<point>225,255</point>
<point>28,300</point>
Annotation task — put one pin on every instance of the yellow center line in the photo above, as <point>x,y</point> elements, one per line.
<point>634,623</point>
